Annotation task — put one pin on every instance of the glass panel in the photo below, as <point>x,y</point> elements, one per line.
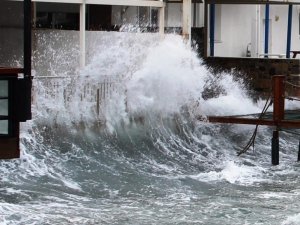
<point>3,107</point>
<point>3,88</point>
<point>11,30</point>
<point>3,126</point>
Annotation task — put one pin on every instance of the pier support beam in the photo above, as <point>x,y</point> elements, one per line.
<point>275,148</point>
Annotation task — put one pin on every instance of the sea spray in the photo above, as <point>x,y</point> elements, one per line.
<point>143,157</point>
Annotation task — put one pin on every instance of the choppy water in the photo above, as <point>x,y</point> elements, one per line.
<point>151,161</point>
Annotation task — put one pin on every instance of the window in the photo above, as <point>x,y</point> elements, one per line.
<point>148,18</point>
<point>4,111</point>
<point>57,16</point>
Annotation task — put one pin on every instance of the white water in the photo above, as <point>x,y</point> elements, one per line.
<point>145,159</point>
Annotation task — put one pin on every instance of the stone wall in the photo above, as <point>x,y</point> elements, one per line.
<point>257,72</point>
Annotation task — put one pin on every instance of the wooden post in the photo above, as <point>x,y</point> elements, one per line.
<point>275,148</point>
<point>278,98</point>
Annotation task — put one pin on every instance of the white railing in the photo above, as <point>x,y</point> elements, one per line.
<point>150,3</point>
<point>67,88</point>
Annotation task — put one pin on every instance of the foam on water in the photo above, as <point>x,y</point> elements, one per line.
<point>292,220</point>
<point>145,158</point>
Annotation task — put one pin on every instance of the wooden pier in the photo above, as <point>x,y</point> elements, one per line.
<point>278,120</point>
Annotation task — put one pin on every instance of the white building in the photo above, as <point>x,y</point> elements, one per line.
<point>239,28</point>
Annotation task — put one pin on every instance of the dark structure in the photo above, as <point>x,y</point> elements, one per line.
<point>15,95</point>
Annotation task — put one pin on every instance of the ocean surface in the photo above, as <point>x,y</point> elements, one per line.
<point>143,152</point>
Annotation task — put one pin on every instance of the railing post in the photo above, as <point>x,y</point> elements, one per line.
<point>278,114</point>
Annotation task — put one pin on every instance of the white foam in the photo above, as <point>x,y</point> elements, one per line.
<point>292,220</point>
<point>233,173</point>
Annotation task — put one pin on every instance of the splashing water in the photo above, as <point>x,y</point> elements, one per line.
<point>122,144</point>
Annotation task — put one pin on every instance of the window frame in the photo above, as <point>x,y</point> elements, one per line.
<point>8,117</point>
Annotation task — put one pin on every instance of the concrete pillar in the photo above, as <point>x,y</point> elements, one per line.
<point>186,19</point>
<point>162,20</point>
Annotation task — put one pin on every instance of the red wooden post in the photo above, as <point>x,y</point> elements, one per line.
<point>278,114</point>
<point>278,98</point>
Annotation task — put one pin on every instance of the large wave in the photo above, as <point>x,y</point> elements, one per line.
<point>139,150</point>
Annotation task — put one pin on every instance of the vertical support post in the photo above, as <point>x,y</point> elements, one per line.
<point>212,29</point>
<point>267,22</point>
<point>299,152</point>
<point>27,38</point>
<point>289,31</point>
<point>275,148</point>
<point>82,34</point>
<point>278,95</point>
<point>205,33</point>
<point>278,114</point>
<point>195,15</point>
<point>186,19</point>
<point>26,83</point>
<point>162,20</point>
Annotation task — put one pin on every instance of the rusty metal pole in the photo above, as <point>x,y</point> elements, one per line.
<point>278,98</point>
<point>278,114</point>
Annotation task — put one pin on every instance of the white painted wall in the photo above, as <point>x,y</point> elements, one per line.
<point>237,30</point>
<point>234,28</point>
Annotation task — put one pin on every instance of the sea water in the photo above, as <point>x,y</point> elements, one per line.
<point>149,156</point>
